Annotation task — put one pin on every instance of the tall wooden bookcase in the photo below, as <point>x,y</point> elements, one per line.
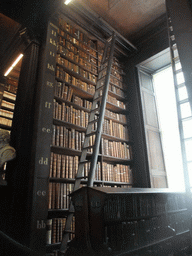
<point>69,63</point>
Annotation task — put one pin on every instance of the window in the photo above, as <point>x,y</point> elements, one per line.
<point>162,103</point>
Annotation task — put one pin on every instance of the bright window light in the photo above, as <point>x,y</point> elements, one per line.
<point>167,114</point>
<point>14,64</point>
<point>67,2</point>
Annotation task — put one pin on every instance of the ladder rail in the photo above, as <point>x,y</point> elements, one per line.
<point>101,118</point>
<point>174,60</point>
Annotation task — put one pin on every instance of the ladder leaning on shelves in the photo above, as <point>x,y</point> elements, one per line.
<point>96,118</point>
<point>179,85</point>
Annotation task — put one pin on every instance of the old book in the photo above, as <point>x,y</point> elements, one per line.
<point>49,231</point>
<point>58,175</point>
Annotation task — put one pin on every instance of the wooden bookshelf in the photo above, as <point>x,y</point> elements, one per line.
<point>70,119</point>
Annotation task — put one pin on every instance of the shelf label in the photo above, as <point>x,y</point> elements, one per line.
<point>43,161</point>
<point>50,67</point>
<point>53,42</point>
<point>41,193</point>
<point>50,84</point>
<point>52,54</point>
<point>47,130</point>
<point>48,104</point>
<point>41,224</point>
<point>53,32</point>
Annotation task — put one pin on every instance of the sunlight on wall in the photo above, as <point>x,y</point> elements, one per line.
<point>168,122</point>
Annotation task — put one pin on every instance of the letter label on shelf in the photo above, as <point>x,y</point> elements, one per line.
<point>52,54</point>
<point>43,161</point>
<point>48,104</point>
<point>41,224</point>
<point>47,130</point>
<point>53,42</point>
<point>51,67</point>
<point>53,32</point>
<point>41,193</point>
<point>50,84</point>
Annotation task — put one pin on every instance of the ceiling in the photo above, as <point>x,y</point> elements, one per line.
<point>128,17</point>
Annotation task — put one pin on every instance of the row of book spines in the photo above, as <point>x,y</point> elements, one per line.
<point>65,92</point>
<point>139,206</point>
<point>78,117</point>
<point>65,26</point>
<point>145,231</point>
<point>77,56</point>
<point>117,173</point>
<point>63,75</point>
<point>116,102</point>
<point>59,195</point>
<point>9,95</point>
<point>118,117</point>
<point>70,114</point>
<point>116,90</point>
<point>65,41</point>
<point>115,129</point>
<point>116,82</point>
<point>6,113</point>
<point>131,234</point>
<point>5,121</point>
<point>115,66</point>
<point>7,104</point>
<point>68,138</point>
<point>115,74</point>
<point>63,166</point>
<point>116,149</point>
<point>55,228</point>
<point>75,68</point>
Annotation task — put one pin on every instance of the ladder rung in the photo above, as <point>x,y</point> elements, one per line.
<point>180,85</point>
<point>176,59</point>
<point>183,101</point>
<point>93,121</point>
<point>174,46</point>
<point>82,177</point>
<point>88,147</point>
<point>91,133</point>
<point>84,162</point>
<point>99,88</point>
<point>95,110</point>
<point>109,39</point>
<point>98,98</point>
<point>100,70</point>
<point>178,71</point>
<point>102,78</point>
<point>105,61</point>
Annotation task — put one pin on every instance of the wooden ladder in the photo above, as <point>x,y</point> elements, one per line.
<point>94,130</point>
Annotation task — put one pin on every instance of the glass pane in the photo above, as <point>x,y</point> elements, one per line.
<point>188,148</point>
<point>175,53</point>
<point>178,66</point>
<point>185,110</point>
<point>187,128</point>
<point>183,93</point>
<point>180,78</point>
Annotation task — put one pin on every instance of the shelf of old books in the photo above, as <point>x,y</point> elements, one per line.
<point>77,60</point>
<point>7,110</point>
